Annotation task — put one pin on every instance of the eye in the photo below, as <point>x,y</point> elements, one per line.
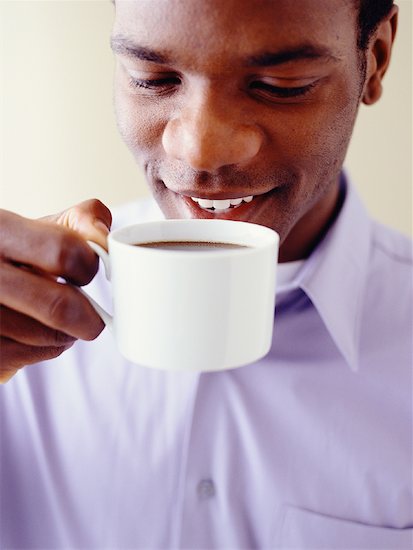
<point>282,92</point>
<point>156,85</point>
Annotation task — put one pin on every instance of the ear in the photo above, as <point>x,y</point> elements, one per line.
<point>378,57</point>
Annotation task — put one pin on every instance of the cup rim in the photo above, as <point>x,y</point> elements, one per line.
<point>252,236</point>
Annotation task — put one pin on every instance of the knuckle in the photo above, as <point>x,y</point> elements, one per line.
<point>60,310</point>
<point>72,314</point>
<point>59,251</point>
<point>66,253</point>
<point>72,258</point>
<point>75,212</point>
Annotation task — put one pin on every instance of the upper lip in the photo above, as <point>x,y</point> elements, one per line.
<point>210,194</point>
<point>219,195</point>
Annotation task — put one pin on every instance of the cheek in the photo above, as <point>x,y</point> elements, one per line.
<point>140,123</point>
<point>310,144</point>
<point>320,129</point>
<point>314,139</point>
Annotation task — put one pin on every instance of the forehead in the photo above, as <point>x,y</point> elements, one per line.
<point>197,28</point>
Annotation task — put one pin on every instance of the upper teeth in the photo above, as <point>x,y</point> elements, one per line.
<point>221,204</point>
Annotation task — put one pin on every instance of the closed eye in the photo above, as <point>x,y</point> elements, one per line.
<point>168,84</point>
<point>282,92</point>
<point>157,84</point>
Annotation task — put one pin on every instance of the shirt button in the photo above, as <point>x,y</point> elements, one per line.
<point>206,489</point>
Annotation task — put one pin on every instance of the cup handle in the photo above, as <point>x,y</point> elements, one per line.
<point>104,256</point>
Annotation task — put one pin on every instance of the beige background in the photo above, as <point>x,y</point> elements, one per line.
<point>59,143</point>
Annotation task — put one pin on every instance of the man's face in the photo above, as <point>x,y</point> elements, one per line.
<point>223,100</point>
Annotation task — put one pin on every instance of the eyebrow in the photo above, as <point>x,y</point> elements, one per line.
<point>298,53</point>
<point>125,46</point>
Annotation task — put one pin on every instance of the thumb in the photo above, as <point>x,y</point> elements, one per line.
<point>91,219</point>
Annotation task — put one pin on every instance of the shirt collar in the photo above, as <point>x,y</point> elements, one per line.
<point>334,276</point>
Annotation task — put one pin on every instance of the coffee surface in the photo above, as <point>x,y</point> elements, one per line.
<point>191,246</point>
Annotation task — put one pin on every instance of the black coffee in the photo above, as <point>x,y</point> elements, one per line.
<point>191,246</point>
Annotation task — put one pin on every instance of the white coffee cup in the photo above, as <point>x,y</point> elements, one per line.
<point>191,310</point>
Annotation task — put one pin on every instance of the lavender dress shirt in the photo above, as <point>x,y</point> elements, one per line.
<point>310,447</point>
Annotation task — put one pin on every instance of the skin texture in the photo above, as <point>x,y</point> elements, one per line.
<point>210,123</point>
<point>39,317</point>
<point>212,128</point>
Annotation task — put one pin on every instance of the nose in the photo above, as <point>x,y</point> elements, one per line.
<point>206,136</point>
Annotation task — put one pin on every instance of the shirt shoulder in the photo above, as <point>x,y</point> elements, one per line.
<point>390,267</point>
<point>388,311</point>
<point>391,245</point>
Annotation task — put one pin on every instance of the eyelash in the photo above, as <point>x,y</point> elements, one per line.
<point>282,92</point>
<point>155,84</point>
<point>164,85</point>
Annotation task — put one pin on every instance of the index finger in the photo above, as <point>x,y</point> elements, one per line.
<point>47,247</point>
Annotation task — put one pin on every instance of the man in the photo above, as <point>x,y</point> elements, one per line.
<point>311,446</point>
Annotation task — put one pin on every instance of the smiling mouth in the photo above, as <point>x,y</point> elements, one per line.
<point>219,205</point>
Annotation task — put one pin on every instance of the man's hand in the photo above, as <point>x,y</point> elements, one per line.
<point>40,317</point>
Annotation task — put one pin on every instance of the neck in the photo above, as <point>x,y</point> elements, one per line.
<point>311,228</point>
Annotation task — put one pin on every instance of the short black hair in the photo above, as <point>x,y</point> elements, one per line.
<point>371,12</point>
